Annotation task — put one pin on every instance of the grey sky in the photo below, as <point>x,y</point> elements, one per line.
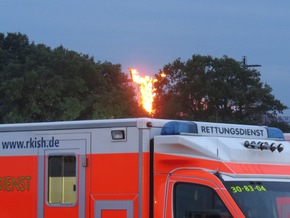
<point>148,35</point>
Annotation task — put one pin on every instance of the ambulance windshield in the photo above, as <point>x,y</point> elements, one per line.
<point>259,199</point>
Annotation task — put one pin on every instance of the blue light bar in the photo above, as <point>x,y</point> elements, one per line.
<point>221,130</point>
<point>178,127</point>
<point>275,133</point>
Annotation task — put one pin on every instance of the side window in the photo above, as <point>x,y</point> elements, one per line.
<point>61,179</point>
<point>194,201</point>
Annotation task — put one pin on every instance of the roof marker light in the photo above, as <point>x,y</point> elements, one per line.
<point>280,148</point>
<point>149,124</point>
<point>247,144</point>
<point>262,145</point>
<point>178,127</point>
<point>253,144</point>
<point>272,147</point>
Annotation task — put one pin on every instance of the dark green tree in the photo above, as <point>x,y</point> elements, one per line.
<point>214,89</point>
<point>38,83</point>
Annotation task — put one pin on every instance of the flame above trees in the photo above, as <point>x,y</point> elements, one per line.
<point>146,89</point>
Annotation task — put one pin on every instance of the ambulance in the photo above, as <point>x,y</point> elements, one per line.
<point>143,168</point>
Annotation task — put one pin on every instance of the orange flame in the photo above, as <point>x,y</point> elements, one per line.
<point>146,89</point>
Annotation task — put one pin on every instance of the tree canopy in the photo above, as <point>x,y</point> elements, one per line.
<point>38,83</point>
<point>214,89</point>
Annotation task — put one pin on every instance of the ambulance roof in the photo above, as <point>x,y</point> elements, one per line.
<point>224,142</point>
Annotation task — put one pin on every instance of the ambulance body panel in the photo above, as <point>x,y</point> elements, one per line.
<point>129,168</point>
<point>287,136</point>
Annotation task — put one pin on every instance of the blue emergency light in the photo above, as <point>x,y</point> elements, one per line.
<point>178,127</point>
<point>275,133</point>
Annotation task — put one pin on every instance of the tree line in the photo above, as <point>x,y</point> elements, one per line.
<point>216,89</point>
<point>38,83</point>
